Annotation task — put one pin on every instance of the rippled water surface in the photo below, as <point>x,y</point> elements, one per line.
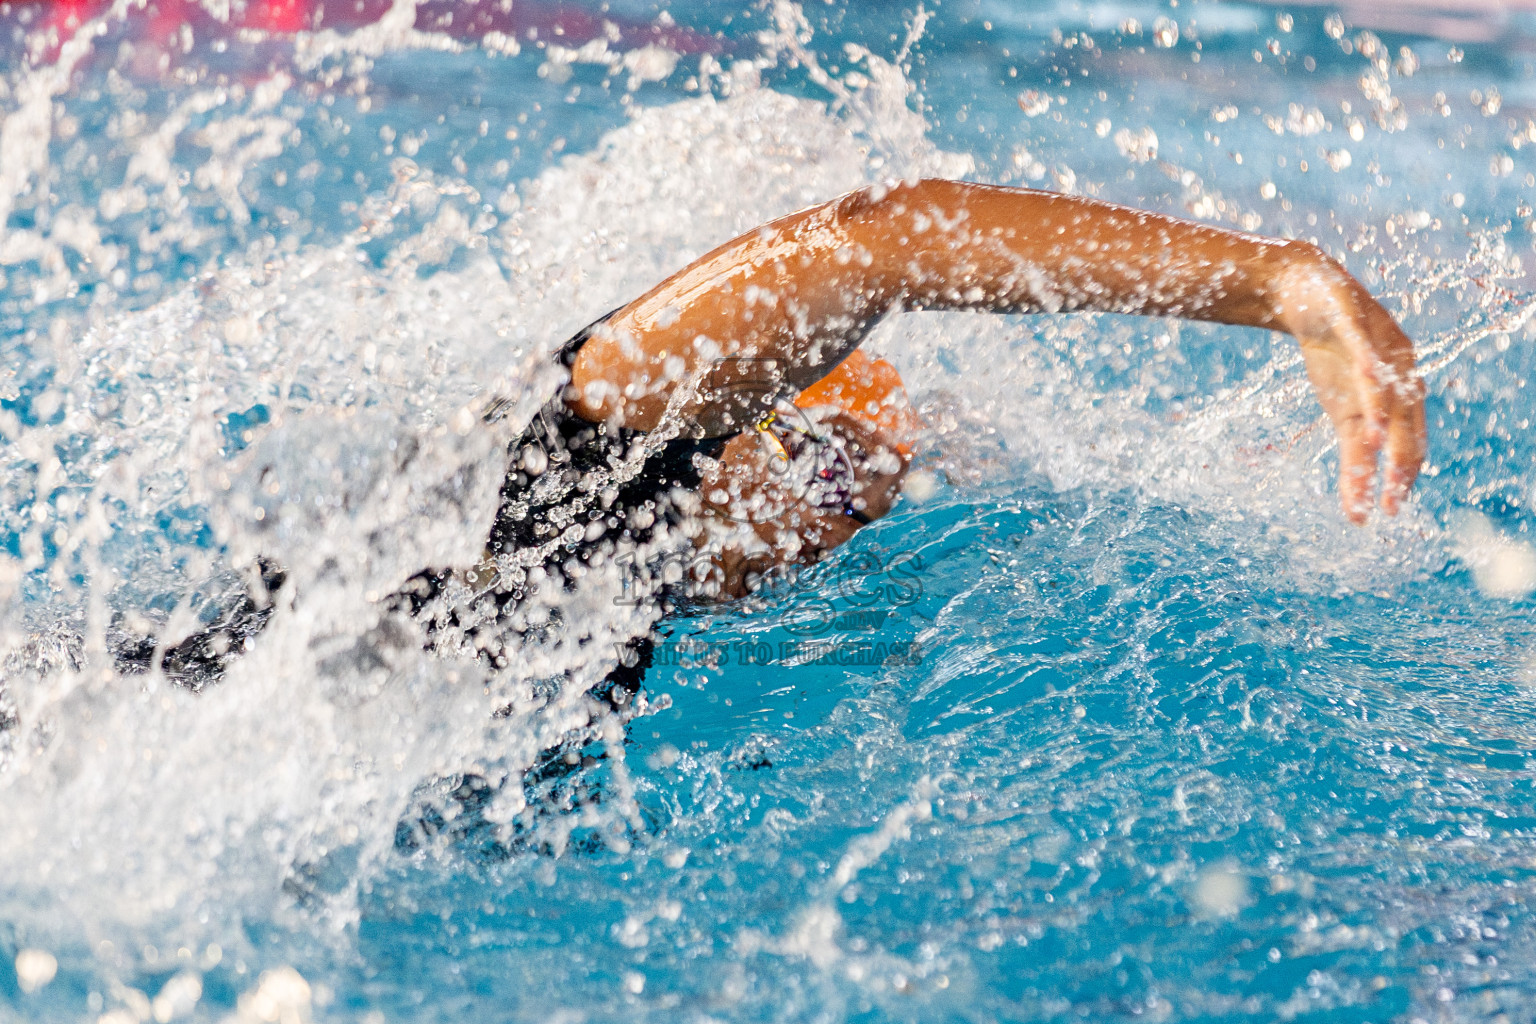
<point>1115,718</point>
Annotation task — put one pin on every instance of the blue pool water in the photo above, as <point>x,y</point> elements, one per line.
<point>1115,718</point>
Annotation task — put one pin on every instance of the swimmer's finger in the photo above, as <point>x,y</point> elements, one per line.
<point>1357,465</point>
<point>1374,395</point>
<point>1369,377</point>
<point>1354,408</point>
<point>1392,396</point>
<point>1407,442</point>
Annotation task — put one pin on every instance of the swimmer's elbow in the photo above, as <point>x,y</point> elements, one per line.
<point>887,200</point>
<point>1298,255</point>
<point>891,225</point>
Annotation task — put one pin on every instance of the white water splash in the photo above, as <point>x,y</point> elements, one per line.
<point>290,774</point>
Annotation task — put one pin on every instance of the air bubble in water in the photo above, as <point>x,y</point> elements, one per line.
<point>1165,32</point>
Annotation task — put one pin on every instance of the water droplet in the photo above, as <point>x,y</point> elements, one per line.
<point>35,968</point>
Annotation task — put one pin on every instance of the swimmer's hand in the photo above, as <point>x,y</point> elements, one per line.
<point>1361,364</point>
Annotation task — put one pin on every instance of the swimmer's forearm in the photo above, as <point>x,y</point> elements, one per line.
<point>954,245</point>
<point>959,245</point>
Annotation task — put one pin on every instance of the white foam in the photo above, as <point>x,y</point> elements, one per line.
<point>189,808</point>
<point>178,997</point>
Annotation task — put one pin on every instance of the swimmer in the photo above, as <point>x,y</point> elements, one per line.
<point>729,404</point>
<point>731,400</point>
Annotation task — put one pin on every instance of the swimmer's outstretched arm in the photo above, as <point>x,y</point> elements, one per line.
<point>787,301</point>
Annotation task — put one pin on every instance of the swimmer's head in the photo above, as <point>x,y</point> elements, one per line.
<point>870,392</point>
<point>870,423</point>
<point>814,472</point>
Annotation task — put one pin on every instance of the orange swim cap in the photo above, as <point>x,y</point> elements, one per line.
<point>871,390</point>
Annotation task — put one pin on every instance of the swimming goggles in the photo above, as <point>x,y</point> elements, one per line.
<point>829,470</point>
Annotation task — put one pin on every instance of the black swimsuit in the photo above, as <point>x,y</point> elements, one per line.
<point>553,509</point>
<point>555,473</point>
<point>573,491</point>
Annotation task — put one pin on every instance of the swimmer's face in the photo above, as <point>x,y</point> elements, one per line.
<point>879,467</point>
<point>795,515</point>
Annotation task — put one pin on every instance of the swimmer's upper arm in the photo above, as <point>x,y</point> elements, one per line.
<point>779,306</point>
